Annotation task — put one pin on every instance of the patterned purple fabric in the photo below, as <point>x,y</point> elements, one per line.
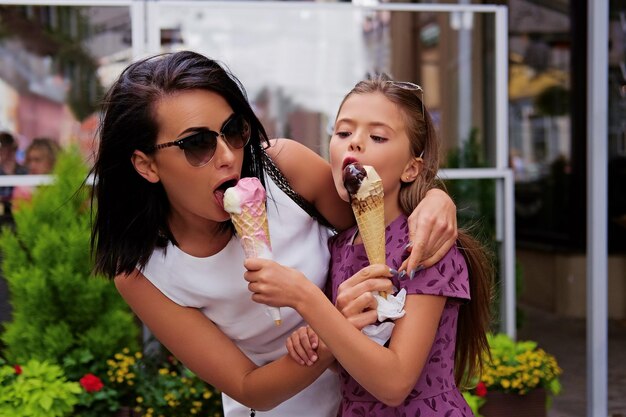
<point>435,393</point>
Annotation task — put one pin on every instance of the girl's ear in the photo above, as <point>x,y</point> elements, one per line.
<point>412,169</point>
<point>145,166</point>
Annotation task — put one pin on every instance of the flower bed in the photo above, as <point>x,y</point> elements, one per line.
<point>515,368</point>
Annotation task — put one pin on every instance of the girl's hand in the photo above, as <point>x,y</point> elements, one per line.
<point>432,230</point>
<point>274,284</point>
<point>302,346</point>
<point>354,296</point>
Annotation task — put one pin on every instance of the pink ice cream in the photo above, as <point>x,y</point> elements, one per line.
<point>245,202</point>
<point>249,195</point>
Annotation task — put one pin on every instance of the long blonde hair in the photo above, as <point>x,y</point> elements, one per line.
<point>474,316</point>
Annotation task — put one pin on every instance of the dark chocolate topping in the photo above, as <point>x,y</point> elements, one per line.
<point>353,175</point>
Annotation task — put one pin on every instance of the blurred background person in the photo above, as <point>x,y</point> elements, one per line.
<point>41,155</point>
<point>8,166</point>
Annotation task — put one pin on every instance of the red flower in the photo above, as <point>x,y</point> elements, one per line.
<point>481,389</point>
<point>91,383</point>
<point>18,369</point>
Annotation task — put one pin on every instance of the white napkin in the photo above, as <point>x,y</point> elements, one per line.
<point>391,307</point>
<point>379,333</point>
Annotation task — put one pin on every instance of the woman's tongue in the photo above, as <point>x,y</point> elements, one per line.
<point>219,196</point>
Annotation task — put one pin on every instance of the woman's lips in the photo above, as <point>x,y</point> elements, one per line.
<point>221,188</point>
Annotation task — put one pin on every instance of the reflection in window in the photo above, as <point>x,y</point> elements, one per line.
<point>56,63</point>
<point>539,118</point>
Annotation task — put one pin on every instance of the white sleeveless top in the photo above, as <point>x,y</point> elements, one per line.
<point>216,286</point>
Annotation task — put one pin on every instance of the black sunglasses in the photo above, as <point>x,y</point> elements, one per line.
<point>199,147</point>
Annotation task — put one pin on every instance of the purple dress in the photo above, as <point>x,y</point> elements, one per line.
<point>435,393</point>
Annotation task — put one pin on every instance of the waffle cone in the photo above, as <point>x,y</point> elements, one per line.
<point>253,231</point>
<point>370,218</point>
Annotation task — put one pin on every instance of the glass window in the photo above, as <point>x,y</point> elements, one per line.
<point>298,63</point>
<point>57,62</point>
<point>540,128</point>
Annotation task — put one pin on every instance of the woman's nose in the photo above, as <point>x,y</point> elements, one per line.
<point>224,155</point>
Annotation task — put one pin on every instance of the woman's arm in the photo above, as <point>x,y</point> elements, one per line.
<point>432,225</point>
<point>310,176</point>
<point>209,353</point>
<point>390,373</point>
<point>432,230</point>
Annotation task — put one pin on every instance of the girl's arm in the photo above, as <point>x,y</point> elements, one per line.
<point>390,373</point>
<point>210,354</point>
<point>432,225</point>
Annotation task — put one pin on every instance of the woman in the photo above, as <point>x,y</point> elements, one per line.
<point>177,130</point>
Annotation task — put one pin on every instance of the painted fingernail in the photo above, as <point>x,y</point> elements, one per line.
<point>415,271</point>
<point>393,271</point>
<point>402,275</point>
<point>408,246</point>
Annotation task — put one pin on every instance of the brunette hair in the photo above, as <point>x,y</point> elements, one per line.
<point>131,217</point>
<point>475,315</point>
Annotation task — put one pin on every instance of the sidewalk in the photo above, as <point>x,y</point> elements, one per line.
<point>565,338</point>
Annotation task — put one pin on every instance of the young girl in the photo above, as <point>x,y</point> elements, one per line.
<point>437,344</point>
<point>177,130</point>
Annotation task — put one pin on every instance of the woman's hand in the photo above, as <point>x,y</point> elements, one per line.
<point>432,230</point>
<point>354,296</point>
<point>276,285</point>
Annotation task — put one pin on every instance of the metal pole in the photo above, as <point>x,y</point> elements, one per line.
<point>597,254</point>
<point>505,189</point>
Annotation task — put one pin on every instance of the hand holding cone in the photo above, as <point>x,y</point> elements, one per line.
<point>245,202</point>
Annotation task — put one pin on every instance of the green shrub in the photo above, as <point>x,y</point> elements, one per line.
<point>61,313</point>
<point>36,389</point>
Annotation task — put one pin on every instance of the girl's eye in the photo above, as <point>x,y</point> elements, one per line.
<point>343,135</point>
<point>378,139</point>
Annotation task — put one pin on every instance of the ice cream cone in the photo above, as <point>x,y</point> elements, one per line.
<point>366,197</point>
<point>250,220</point>
<point>252,228</point>
<point>370,218</point>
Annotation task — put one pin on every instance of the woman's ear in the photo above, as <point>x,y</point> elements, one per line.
<point>144,165</point>
<point>412,169</point>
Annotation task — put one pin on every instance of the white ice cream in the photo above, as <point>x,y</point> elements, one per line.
<point>232,202</point>
<point>367,182</point>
